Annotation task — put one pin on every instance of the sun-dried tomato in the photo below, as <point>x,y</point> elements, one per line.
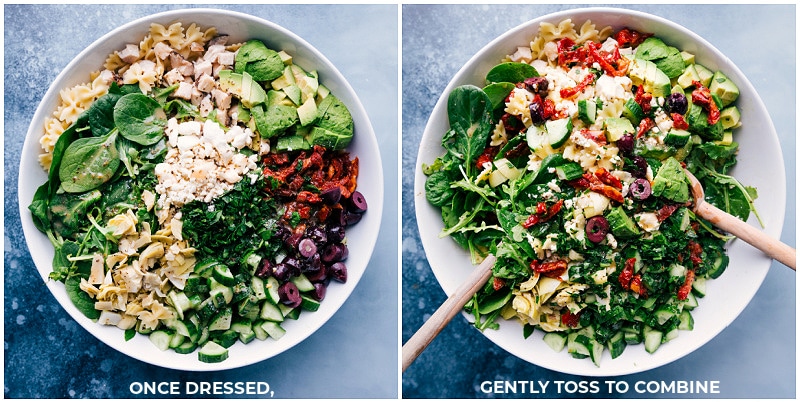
<point>644,126</point>
<point>666,211</point>
<point>571,320</point>
<point>498,283</point>
<point>695,253</point>
<point>543,213</point>
<point>683,291</point>
<point>567,93</point>
<point>679,122</point>
<point>637,286</point>
<point>550,269</point>
<point>643,99</point>
<point>627,37</point>
<point>607,178</point>
<point>598,136</point>
<point>702,96</point>
<point>486,156</point>
<point>626,275</point>
<point>593,183</point>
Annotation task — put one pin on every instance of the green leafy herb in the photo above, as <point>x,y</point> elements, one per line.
<point>139,118</point>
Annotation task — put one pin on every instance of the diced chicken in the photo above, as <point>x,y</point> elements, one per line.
<point>206,83</point>
<point>221,98</point>
<point>226,58</point>
<point>202,68</point>
<point>196,47</point>
<point>130,54</point>
<point>184,91</point>
<point>212,52</point>
<point>179,63</point>
<point>162,50</point>
<point>206,106</point>
<point>173,77</point>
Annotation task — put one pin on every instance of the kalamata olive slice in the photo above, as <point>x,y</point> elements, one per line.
<point>337,217</point>
<point>332,253</point>
<point>293,240</point>
<point>319,291</point>
<point>638,168</point>
<point>596,229</point>
<point>318,275</point>
<point>307,247</point>
<point>625,143</point>
<point>331,196</point>
<point>537,112</point>
<point>289,294</point>
<point>640,189</point>
<point>677,103</point>
<point>264,268</point>
<point>281,271</point>
<point>537,85</point>
<point>317,233</point>
<point>357,203</point>
<point>338,271</point>
<point>352,218</point>
<point>336,234</point>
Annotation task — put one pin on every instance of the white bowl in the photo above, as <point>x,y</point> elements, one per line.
<point>240,27</point>
<point>760,164</point>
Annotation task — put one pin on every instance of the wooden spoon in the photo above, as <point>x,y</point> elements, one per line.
<point>425,334</point>
<point>735,226</point>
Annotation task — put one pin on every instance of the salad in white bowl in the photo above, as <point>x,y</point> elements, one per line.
<point>201,190</point>
<point>563,157</point>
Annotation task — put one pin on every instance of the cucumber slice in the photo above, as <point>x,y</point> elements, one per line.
<point>677,138</point>
<point>587,111</point>
<point>226,339</point>
<point>617,344</point>
<point>558,131</point>
<point>596,351</point>
<point>212,352</point>
<point>309,303</point>
<point>569,171</point>
<point>292,313</point>
<point>699,286</point>
<point>271,287</point>
<point>247,337</point>
<point>302,283</point>
<point>633,111</point>
<point>576,346</point>
<point>664,314</point>
<point>243,325</point>
<point>270,312</point>
<point>261,334</point>
<point>686,321</point>
<point>186,347</point>
<point>652,339</point>
<point>196,284</point>
<point>222,321</point>
<point>556,340</point>
<point>222,274</point>
<point>257,288</point>
<point>273,329</point>
<point>176,340</point>
<point>161,339</point>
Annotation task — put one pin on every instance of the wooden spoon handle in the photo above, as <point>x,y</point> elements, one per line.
<point>758,239</point>
<point>425,334</point>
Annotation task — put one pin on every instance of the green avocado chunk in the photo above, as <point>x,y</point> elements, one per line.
<point>263,63</point>
<point>667,58</point>
<point>621,224</point>
<point>334,126</point>
<point>671,182</point>
<point>275,120</point>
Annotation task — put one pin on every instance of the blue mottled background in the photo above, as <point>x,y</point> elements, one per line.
<point>754,358</point>
<point>47,355</point>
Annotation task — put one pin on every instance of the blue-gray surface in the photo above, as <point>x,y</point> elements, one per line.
<point>753,358</point>
<point>48,355</point>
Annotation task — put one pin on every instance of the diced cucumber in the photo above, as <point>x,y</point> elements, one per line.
<point>161,339</point>
<point>271,312</point>
<point>273,329</point>
<point>247,337</point>
<point>222,321</point>
<point>292,313</point>
<point>309,303</point>
<point>632,338</point>
<point>186,347</point>
<point>677,138</point>
<point>242,325</point>
<point>212,352</point>
<point>196,284</point>
<point>664,314</point>
<point>271,287</point>
<point>671,334</point>
<point>686,321</point>
<point>257,288</point>
<point>206,309</point>
<point>596,351</point>
<point>556,340</point>
<point>558,131</point>
<point>632,111</point>
<point>587,110</point>
<point>691,302</point>
<point>251,260</point>
<point>652,339</point>
<point>569,171</point>
<point>205,266</point>
<point>302,283</point>
<point>179,301</point>
<point>226,339</point>
<point>222,274</point>
<point>699,286</point>
<point>261,334</point>
<point>578,344</point>
<point>221,294</point>
<point>177,340</point>
<point>617,343</point>
<point>718,265</point>
<point>183,327</point>
<point>677,270</point>
<point>203,337</point>
<point>240,292</point>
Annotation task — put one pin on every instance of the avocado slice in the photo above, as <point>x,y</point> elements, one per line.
<point>724,88</point>
<point>274,120</point>
<point>667,58</point>
<point>334,125</point>
<point>671,182</point>
<point>616,127</point>
<point>292,143</point>
<point>645,72</point>
<point>243,86</point>
<point>621,224</point>
<point>261,62</point>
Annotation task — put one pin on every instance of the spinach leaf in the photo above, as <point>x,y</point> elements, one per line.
<point>62,266</point>
<point>101,113</point>
<point>67,212</point>
<point>498,92</point>
<point>89,162</point>
<point>437,188</point>
<point>81,299</point>
<point>139,118</point>
<point>39,206</point>
<point>511,72</point>
<point>181,109</point>
<point>470,113</point>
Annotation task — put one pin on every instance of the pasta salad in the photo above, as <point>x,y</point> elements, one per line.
<point>198,191</point>
<point>568,166</point>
